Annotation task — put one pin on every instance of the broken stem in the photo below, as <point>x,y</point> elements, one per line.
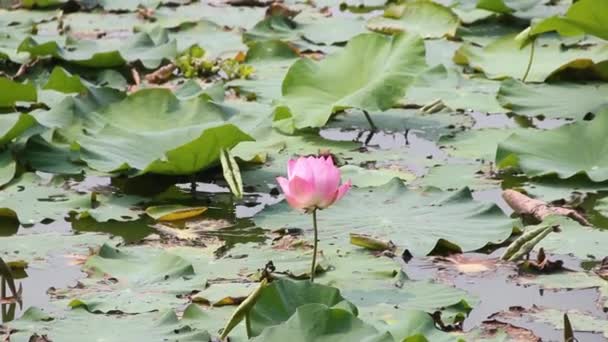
<point>313,268</point>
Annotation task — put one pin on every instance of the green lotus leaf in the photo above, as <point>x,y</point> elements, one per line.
<point>371,73</point>
<point>425,18</point>
<point>432,216</point>
<point>144,280</point>
<point>36,249</point>
<point>106,54</point>
<point>318,322</point>
<point>504,58</point>
<point>280,300</point>
<point>558,151</point>
<point>306,28</point>
<point>13,125</point>
<point>7,167</point>
<point>162,134</point>
<point>506,6</point>
<point>553,100</point>
<point>584,16</point>
<point>12,92</point>
<point>454,90</point>
<point>155,326</point>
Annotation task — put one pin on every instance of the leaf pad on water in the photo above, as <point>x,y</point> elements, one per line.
<point>559,151</point>
<point>371,73</point>
<point>416,221</point>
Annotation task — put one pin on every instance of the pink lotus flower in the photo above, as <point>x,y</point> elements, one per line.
<point>312,183</point>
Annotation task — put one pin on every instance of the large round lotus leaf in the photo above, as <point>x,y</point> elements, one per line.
<point>477,144</point>
<point>107,53</point>
<point>378,211</point>
<point>155,326</point>
<point>213,38</point>
<point>558,151</point>
<point>584,16</point>
<point>278,301</point>
<point>398,121</point>
<point>230,16</point>
<point>425,18</point>
<point>456,176</point>
<point>553,100</point>
<point>12,92</point>
<point>362,177</point>
<point>32,200</point>
<point>307,28</point>
<point>454,91</point>
<point>505,57</point>
<point>379,289</point>
<point>36,248</point>
<point>143,280</point>
<point>371,73</point>
<point>414,326</point>
<point>162,134</point>
<point>318,322</point>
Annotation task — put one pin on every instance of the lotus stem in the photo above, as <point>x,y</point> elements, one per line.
<point>313,267</point>
<point>369,120</point>
<point>529,61</point>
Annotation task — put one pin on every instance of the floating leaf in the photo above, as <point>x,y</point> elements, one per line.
<point>318,322</point>
<point>504,58</point>
<point>558,151</point>
<point>553,100</point>
<point>584,16</point>
<point>278,301</point>
<point>426,18</point>
<point>379,69</point>
<point>432,216</point>
<point>454,90</point>
<point>174,212</point>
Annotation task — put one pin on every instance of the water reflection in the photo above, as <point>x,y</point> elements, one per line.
<point>10,294</point>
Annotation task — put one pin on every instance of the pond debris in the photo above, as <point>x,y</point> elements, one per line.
<point>368,242</point>
<point>539,210</point>
<point>162,74</point>
<point>542,263</point>
<point>602,269</point>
